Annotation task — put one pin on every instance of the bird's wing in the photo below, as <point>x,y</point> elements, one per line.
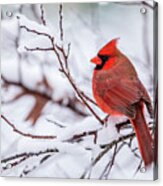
<point>123,95</point>
<point>146,99</point>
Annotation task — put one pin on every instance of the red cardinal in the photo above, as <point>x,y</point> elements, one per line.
<point>118,91</point>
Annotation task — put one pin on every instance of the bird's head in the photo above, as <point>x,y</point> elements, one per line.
<point>105,53</point>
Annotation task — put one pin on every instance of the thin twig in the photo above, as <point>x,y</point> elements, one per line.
<point>35,31</point>
<point>60,21</point>
<point>68,49</point>
<point>112,161</point>
<point>56,123</point>
<point>82,98</point>
<point>11,165</point>
<point>38,49</point>
<point>42,15</point>
<point>89,99</point>
<point>132,150</point>
<point>25,134</point>
<point>139,167</point>
<point>77,137</point>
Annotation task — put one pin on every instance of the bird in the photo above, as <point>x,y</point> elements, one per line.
<point>118,91</point>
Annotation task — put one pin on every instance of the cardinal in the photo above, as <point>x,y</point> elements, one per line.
<point>118,90</point>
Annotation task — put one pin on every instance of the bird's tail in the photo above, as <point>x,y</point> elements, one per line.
<point>143,135</point>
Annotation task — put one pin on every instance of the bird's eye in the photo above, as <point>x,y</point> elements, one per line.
<point>103,58</point>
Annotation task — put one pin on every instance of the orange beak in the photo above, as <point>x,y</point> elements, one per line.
<point>96,60</point>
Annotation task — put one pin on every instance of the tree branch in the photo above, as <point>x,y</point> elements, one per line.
<point>24,156</point>
<point>25,134</point>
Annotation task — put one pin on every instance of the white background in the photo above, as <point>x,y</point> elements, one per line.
<point>23,182</point>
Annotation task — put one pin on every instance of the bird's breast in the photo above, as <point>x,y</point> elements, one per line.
<point>99,86</point>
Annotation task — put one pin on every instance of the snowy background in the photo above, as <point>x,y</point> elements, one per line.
<point>46,130</point>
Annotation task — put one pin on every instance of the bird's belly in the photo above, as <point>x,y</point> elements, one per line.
<point>105,106</point>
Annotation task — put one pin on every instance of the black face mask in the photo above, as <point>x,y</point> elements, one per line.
<point>103,58</point>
